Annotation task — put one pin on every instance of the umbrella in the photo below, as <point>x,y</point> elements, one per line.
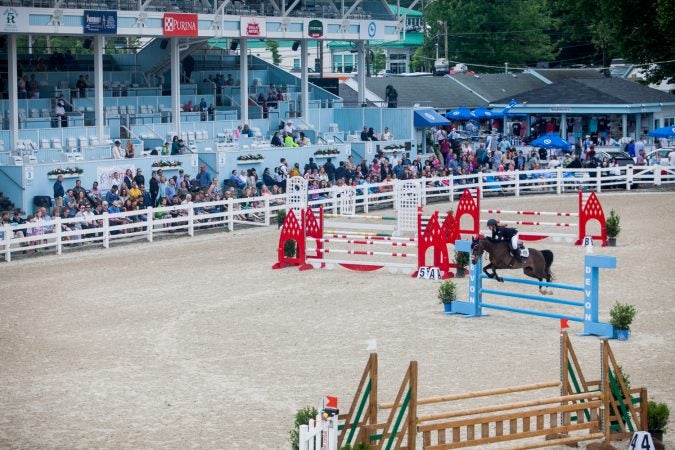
<point>484,113</point>
<point>663,132</point>
<point>550,140</point>
<point>461,113</point>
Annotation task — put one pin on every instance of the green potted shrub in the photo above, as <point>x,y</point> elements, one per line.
<point>447,293</point>
<point>621,316</point>
<point>657,419</point>
<point>302,417</point>
<point>613,227</point>
<point>290,248</point>
<point>462,262</point>
<point>281,217</point>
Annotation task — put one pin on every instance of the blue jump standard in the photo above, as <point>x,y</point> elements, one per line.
<point>590,288</point>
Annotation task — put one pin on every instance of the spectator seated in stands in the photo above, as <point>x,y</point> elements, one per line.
<point>188,107</point>
<point>236,181</point>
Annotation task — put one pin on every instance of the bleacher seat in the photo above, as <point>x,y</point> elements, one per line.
<point>71,144</point>
<point>45,112</point>
<point>84,141</point>
<point>56,144</point>
<point>44,143</point>
<point>93,140</point>
<point>190,137</point>
<point>34,113</point>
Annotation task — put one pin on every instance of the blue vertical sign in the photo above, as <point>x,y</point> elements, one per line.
<point>100,22</point>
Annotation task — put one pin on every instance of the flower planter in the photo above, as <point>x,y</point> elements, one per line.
<point>447,308</point>
<point>622,335</point>
<point>165,168</point>
<point>460,273</point>
<point>64,175</point>
<point>250,161</point>
<point>326,156</point>
<point>611,241</point>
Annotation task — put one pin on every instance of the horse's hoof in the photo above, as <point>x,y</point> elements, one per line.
<point>500,279</point>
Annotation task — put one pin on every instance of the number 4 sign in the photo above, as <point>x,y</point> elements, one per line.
<point>429,273</point>
<point>641,441</point>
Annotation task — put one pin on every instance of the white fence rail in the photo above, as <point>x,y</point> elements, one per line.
<point>64,234</point>
<point>319,434</point>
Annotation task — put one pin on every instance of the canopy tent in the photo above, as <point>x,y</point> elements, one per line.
<point>484,113</point>
<point>461,113</point>
<point>663,132</point>
<point>550,140</point>
<point>425,118</point>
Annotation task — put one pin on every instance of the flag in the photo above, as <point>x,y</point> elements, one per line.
<point>564,323</point>
<point>508,107</point>
<point>330,402</point>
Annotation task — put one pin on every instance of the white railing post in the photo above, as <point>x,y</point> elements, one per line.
<point>58,231</point>
<point>657,174</point>
<point>334,197</point>
<point>517,185</point>
<point>559,179</point>
<point>106,230</point>
<point>629,177</point>
<point>191,219</point>
<point>598,179</point>
<point>268,213</point>
<point>148,220</point>
<point>230,214</point>
<point>365,199</point>
<point>9,234</point>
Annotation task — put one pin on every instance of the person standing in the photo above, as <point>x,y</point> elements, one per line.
<point>154,187</point>
<point>188,67</point>
<point>391,96</point>
<point>58,191</point>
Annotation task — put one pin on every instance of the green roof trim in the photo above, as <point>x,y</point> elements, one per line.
<point>224,43</point>
<point>411,40</point>
<point>406,11</point>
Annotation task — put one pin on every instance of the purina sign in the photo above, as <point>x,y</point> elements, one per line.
<point>181,24</point>
<point>252,27</point>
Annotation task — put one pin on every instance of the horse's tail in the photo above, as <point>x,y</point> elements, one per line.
<point>548,259</point>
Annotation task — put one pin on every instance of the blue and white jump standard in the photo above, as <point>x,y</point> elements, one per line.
<point>590,289</point>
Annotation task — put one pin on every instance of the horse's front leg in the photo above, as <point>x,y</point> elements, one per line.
<point>488,274</point>
<point>492,275</point>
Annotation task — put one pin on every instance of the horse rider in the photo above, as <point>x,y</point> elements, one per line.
<point>507,234</point>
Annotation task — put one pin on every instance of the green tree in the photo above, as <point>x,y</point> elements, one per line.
<point>379,60</point>
<point>273,47</point>
<point>492,32</point>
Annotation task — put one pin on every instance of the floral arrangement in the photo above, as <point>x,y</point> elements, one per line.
<point>250,157</point>
<point>66,171</point>
<point>327,152</point>
<point>167,163</point>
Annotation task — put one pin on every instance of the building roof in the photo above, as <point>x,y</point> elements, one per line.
<point>588,91</point>
<point>498,85</point>
<point>556,75</point>
<point>406,11</point>
<point>437,92</point>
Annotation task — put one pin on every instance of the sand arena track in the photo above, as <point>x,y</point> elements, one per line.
<point>196,342</point>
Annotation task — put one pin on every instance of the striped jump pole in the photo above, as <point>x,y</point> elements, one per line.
<point>359,217</point>
<point>590,290</point>
<point>369,242</point>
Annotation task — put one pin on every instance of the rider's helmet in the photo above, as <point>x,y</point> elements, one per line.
<point>492,223</point>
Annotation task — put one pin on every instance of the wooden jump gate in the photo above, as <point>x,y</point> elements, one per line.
<point>603,409</point>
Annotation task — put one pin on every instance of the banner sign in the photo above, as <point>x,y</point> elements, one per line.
<point>100,22</point>
<point>13,20</point>
<point>252,27</point>
<point>176,24</point>
<point>112,175</point>
<point>315,29</point>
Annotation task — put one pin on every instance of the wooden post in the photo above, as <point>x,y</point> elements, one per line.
<point>412,407</point>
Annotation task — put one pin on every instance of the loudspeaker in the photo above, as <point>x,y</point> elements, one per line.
<point>234,44</point>
<point>295,46</point>
<point>164,44</point>
<point>86,43</point>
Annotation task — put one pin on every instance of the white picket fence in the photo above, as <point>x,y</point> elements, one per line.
<point>64,234</point>
<point>319,434</point>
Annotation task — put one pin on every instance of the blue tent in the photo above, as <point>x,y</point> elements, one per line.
<point>484,113</point>
<point>429,118</point>
<point>663,132</point>
<point>461,113</point>
<point>550,140</point>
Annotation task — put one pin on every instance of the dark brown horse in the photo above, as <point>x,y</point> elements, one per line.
<point>537,265</point>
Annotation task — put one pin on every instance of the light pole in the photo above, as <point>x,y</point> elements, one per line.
<point>445,36</point>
